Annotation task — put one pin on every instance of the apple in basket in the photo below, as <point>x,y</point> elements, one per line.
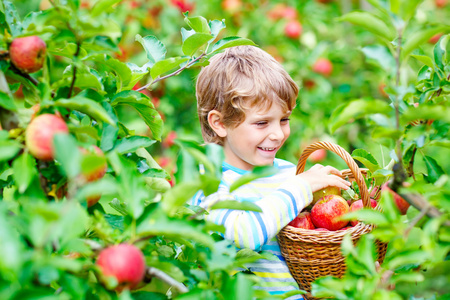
<point>303,220</point>
<point>327,211</point>
<point>358,205</point>
<point>329,190</point>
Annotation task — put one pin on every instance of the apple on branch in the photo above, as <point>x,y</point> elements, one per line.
<point>293,29</point>
<point>124,262</point>
<point>39,135</point>
<point>28,53</point>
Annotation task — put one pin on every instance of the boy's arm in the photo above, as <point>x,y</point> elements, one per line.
<point>253,229</point>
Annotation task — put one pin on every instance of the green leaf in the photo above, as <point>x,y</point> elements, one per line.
<point>439,51</point>
<point>199,24</point>
<point>194,42</point>
<point>366,159</point>
<point>406,258</point>
<point>121,69</point>
<point>236,205</point>
<point>159,224</point>
<point>131,144</point>
<point>231,41</point>
<point>7,102</point>
<point>155,50</point>
<point>186,33</point>
<point>67,154</point>
<point>368,216</point>
<point>102,6</point>
<point>9,149</point>
<point>366,252</point>
<point>144,107</point>
<point>24,168</point>
<point>440,143</point>
<point>68,51</point>
<point>381,55</point>
<point>424,59</point>
<point>408,8</point>
<point>257,172</point>
<point>417,39</point>
<point>12,18</point>
<point>178,195</point>
<point>381,176</point>
<point>434,170</point>
<point>239,287</point>
<point>166,65</point>
<point>348,112</point>
<point>426,112</point>
<point>216,27</point>
<point>371,23</point>
<point>86,106</point>
<point>201,158</point>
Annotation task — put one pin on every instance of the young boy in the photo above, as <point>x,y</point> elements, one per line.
<point>245,98</point>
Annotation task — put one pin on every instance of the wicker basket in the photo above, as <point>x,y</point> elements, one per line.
<point>311,254</point>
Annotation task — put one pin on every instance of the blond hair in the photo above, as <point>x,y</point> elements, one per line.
<point>237,79</point>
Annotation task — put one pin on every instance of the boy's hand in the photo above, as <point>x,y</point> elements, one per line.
<point>319,177</point>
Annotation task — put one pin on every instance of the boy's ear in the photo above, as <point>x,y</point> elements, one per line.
<point>215,122</point>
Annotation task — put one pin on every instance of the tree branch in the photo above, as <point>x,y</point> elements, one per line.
<point>421,204</point>
<point>172,74</point>
<point>74,73</point>
<point>154,272</point>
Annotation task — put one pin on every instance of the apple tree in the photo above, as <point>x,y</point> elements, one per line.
<point>86,212</point>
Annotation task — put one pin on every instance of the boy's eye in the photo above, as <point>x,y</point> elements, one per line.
<point>261,123</point>
<point>285,120</point>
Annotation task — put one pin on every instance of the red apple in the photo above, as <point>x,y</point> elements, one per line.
<point>169,141</point>
<point>318,155</point>
<point>358,205</point>
<point>183,5</point>
<point>440,3</point>
<point>326,212</point>
<point>401,203</point>
<point>125,262</point>
<point>435,38</point>
<point>28,53</point>
<point>97,173</point>
<point>309,84</point>
<point>293,29</point>
<point>303,220</point>
<point>323,66</point>
<point>231,5</point>
<point>39,135</point>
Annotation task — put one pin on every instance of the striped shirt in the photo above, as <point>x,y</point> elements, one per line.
<point>281,197</point>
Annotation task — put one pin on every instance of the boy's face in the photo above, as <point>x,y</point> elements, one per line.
<point>256,140</point>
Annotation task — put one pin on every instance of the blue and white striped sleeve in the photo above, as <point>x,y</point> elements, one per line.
<point>253,229</point>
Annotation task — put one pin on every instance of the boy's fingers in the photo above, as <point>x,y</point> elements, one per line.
<point>332,170</point>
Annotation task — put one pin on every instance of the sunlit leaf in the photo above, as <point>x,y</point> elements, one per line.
<point>231,41</point>
<point>194,42</point>
<point>371,23</point>
<point>155,50</point>
<point>355,109</point>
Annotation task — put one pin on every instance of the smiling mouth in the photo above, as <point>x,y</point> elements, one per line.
<point>267,149</point>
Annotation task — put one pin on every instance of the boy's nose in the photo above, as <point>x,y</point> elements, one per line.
<point>277,133</point>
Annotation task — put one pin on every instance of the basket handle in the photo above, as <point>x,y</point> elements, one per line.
<point>359,178</point>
